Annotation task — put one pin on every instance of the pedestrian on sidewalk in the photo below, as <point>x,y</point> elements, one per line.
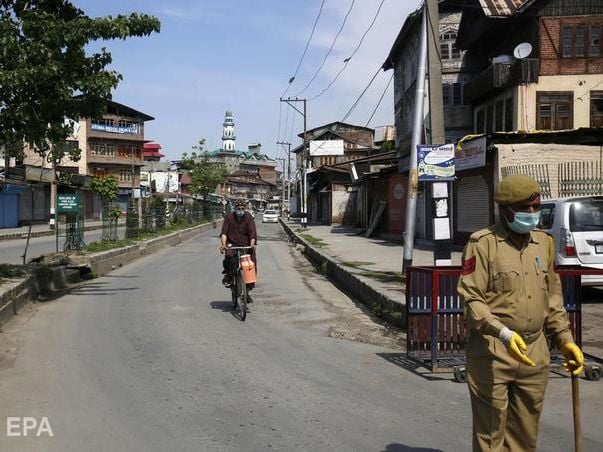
<point>512,297</point>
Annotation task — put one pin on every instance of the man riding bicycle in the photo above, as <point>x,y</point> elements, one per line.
<point>238,229</point>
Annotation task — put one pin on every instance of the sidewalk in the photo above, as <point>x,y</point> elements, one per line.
<point>375,261</point>
<point>39,230</point>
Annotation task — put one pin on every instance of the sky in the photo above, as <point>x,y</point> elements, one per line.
<point>238,55</point>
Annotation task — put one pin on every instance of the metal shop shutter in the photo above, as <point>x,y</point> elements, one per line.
<point>472,204</point>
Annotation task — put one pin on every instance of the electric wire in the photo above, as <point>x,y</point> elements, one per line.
<point>347,60</point>
<point>380,99</point>
<point>329,51</point>
<point>361,95</point>
<point>305,49</point>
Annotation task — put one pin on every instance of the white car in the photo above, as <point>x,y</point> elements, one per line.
<point>269,216</point>
<point>577,226</point>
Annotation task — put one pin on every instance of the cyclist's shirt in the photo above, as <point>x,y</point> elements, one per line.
<point>239,232</point>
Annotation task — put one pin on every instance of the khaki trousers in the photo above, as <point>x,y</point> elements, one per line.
<point>506,396</point>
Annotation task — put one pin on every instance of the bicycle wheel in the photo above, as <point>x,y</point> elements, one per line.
<point>233,292</point>
<point>242,298</point>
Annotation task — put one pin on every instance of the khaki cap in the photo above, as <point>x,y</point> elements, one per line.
<point>516,188</point>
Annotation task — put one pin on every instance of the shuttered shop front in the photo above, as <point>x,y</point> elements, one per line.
<point>473,196</point>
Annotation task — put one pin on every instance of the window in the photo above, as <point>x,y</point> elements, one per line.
<point>480,121</point>
<point>125,175</point>
<point>596,108</point>
<point>547,215</point>
<point>594,39</point>
<point>509,114</point>
<point>446,94</point>
<point>499,115</point>
<point>489,118</point>
<point>457,94</point>
<point>554,110</point>
<point>448,49</point>
<point>580,41</point>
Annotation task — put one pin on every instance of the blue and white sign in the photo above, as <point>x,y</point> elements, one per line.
<point>435,162</point>
<point>131,130</point>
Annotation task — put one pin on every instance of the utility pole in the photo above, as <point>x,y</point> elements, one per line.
<point>291,101</point>
<point>288,172</point>
<point>436,107</point>
<point>282,160</point>
<point>413,176</point>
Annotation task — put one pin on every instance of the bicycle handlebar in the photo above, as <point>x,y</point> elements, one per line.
<point>239,247</point>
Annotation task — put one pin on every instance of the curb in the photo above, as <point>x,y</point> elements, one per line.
<point>393,311</point>
<point>18,293</point>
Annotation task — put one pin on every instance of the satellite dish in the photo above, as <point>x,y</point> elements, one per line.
<point>522,50</point>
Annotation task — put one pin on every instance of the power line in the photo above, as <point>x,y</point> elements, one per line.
<point>380,99</point>
<point>361,95</point>
<point>347,60</point>
<point>329,51</point>
<point>305,49</point>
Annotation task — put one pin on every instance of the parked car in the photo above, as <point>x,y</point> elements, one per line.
<point>269,216</point>
<point>577,226</point>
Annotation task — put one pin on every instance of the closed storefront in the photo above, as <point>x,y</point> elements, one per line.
<point>474,203</point>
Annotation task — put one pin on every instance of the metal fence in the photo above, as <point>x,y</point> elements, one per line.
<point>538,172</point>
<point>580,178</point>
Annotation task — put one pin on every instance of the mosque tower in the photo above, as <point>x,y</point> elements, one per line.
<point>228,136</point>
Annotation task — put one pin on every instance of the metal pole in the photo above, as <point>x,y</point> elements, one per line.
<point>436,107</point>
<point>289,178</point>
<point>413,178</point>
<point>305,155</point>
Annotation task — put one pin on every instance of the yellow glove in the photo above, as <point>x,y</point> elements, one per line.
<point>574,359</point>
<point>515,346</point>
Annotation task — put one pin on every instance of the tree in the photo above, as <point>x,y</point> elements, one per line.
<point>46,75</point>
<point>205,175</point>
<point>106,188</point>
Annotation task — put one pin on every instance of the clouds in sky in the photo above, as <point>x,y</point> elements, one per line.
<point>213,55</point>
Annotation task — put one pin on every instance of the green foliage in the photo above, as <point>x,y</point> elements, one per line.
<point>46,75</point>
<point>314,241</point>
<point>205,175</point>
<point>105,187</point>
<point>104,245</point>
<point>388,146</point>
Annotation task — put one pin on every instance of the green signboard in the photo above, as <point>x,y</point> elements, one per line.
<point>68,203</point>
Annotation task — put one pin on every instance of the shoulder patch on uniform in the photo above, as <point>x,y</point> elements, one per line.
<point>479,234</point>
<point>469,266</point>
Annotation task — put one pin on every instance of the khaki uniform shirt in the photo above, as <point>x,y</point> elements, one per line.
<point>513,285</point>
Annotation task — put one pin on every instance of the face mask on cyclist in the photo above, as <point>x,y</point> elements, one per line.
<point>239,213</point>
<point>524,222</point>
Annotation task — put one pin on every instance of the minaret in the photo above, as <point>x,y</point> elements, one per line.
<point>228,136</point>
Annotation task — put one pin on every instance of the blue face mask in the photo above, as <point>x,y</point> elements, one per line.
<point>524,222</point>
<point>239,213</point>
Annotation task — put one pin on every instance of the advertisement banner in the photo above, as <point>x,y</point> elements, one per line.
<point>471,155</point>
<point>435,162</point>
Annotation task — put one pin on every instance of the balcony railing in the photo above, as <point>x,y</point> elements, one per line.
<point>115,158</point>
<point>503,75</point>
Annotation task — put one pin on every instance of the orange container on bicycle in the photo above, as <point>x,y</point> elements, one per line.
<point>248,269</point>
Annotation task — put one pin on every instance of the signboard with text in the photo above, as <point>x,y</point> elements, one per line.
<point>68,203</point>
<point>435,162</point>
<point>471,155</point>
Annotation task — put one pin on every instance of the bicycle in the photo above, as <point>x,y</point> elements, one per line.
<point>238,287</point>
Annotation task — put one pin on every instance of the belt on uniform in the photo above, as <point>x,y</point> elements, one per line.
<point>530,337</point>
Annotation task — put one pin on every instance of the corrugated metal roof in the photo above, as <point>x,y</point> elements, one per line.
<point>501,8</point>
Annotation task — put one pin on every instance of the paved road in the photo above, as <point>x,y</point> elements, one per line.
<point>150,358</point>
<point>11,251</point>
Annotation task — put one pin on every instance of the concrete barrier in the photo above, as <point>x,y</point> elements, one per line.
<point>353,286</point>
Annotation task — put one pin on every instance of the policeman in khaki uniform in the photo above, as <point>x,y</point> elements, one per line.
<point>512,299</point>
